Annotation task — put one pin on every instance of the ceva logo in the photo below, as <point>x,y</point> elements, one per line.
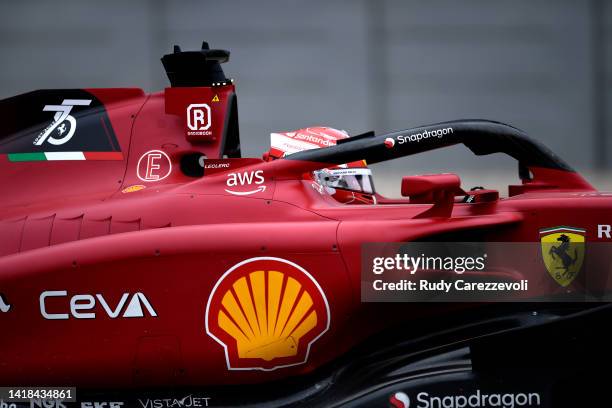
<point>84,306</point>
<point>247,178</point>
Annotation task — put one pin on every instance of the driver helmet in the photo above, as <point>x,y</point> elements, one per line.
<point>349,183</point>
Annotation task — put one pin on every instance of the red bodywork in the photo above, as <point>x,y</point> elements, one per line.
<point>146,253</point>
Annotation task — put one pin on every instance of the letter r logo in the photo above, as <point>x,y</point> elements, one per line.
<point>198,116</point>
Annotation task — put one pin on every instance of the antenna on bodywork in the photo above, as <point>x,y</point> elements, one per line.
<point>195,68</point>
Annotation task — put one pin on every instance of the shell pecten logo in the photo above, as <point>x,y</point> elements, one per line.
<point>266,313</point>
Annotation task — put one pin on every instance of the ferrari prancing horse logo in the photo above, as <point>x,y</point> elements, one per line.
<point>266,313</point>
<point>563,250</point>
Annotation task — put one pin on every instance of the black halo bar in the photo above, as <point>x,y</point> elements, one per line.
<point>482,137</point>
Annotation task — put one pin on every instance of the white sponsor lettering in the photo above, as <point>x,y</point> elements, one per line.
<point>351,172</point>
<point>84,306</point>
<point>62,115</point>
<point>289,145</point>
<point>314,139</point>
<point>186,402</point>
<point>154,165</point>
<point>604,230</point>
<point>246,178</point>
<point>102,404</point>
<point>479,400</point>
<point>426,134</point>
<point>198,119</point>
<point>216,166</point>
<point>41,403</point>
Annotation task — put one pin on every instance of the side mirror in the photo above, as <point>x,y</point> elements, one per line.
<point>421,187</point>
<point>437,189</point>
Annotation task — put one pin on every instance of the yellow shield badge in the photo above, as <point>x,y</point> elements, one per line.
<point>266,313</point>
<point>563,250</point>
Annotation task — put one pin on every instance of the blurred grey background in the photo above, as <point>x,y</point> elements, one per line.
<point>543,66</point>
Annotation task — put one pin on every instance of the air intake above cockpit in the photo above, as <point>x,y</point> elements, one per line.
<point>195,68</point>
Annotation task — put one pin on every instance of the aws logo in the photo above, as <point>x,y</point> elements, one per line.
<point>266,313</point>
<point>246,178</point>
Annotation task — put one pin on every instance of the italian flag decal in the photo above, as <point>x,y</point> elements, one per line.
<point>42,156</point>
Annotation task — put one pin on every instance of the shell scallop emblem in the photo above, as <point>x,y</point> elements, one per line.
<point>266,313</point>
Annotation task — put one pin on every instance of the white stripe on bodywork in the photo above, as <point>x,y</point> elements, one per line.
<point>77,102</point>
<point>64,155</point>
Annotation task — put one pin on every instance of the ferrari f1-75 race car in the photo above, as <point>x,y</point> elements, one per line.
<point>141,257</point>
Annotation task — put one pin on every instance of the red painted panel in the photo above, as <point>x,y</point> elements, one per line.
<point>36,233</point>
<point>10,235</point>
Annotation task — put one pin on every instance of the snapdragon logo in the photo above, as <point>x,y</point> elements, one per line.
<point>426,134</point>
<point>479,400</point>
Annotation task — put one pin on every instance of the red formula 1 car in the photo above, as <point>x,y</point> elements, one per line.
<point>138,249</point>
